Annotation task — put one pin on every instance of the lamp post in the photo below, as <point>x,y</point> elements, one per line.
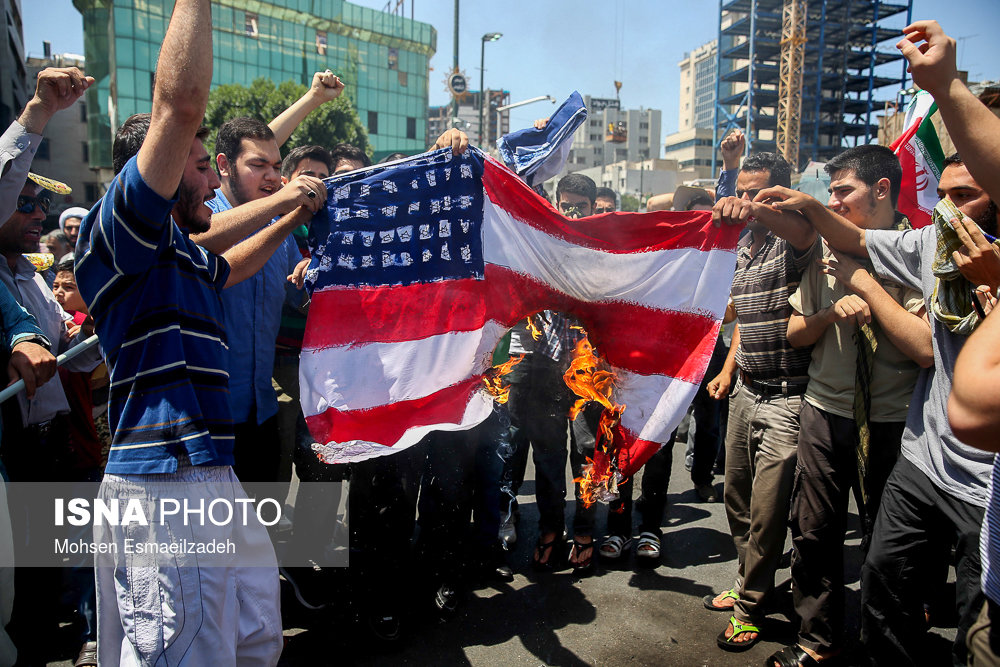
<point>488,37</point>
<point>507,107</point>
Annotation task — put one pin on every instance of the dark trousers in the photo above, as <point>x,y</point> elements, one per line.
<point>256,450</point>
<point>825,474</point>
<point>916,526</point>
<point>652,505</point>
<point>708,419</point>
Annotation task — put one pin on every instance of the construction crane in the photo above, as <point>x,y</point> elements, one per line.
<point>793,51</point>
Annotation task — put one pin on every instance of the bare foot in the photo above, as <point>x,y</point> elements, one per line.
<point>543,553</point>
<point>745,636</point>
<point>724,601</point>
<point>582,554</point>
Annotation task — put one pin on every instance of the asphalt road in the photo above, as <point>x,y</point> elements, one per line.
<point>621,615</point>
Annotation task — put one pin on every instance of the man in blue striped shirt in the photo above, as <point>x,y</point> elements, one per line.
<point>155,298</point>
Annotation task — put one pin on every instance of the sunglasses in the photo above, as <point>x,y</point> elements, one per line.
<point>749,193</point>
<point>27,204</point>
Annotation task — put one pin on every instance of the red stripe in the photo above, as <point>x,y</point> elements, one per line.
<point>905,137</point>
<point>632,337</point>
<point>387,423</point>
<point>619,233</point>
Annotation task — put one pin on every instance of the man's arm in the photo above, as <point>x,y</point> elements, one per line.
<point>910,332</point>
<point>839,233</point>
<point>55,89</point>
<point>732,148</point>
<point>973,127</point>
<point>974,404</point>
<point>249,256</point>
<point>789,225</point>
<point>180,94</point>
<point>722,384</point>
<point>326,87</point>
<point>232,226</point>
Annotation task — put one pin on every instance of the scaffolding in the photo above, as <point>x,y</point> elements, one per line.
<point>845,53</point>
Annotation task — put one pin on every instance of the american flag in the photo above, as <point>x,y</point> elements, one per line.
<point>419,267</point>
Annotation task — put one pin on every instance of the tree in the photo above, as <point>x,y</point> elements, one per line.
<point>327,126</point>
<point>630,202</point>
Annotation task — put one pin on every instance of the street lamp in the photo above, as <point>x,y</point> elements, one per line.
<point>488,37</point>
<point>507,107</point>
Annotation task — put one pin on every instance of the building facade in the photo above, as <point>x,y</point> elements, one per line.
<point>14,90</point>
<point>696,107</point>
<point>692,149</point>
<point>612,134</point>
<point>382,57</point>
<point>440,118</point>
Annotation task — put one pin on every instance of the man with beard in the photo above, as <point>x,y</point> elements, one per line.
<point>250,170</point>
<point>935,496</point>
<point>155,296</point>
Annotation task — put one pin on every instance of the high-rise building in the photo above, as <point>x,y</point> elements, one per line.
<point>64,153</point>
<point>846,57</point>
<point>440,118</point>
<point>697,88</point>
<point>14,90</point>
<point>612,134</point>
<point>382,57</point>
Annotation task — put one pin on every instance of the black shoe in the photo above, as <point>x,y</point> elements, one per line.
<point>494,564</point>
<point>446,601</point>
<point>385,625</point>
<point>308,584</point>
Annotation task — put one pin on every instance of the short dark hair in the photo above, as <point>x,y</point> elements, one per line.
<point>606,193</point>
<point>699,200</point>
<point>954,158</point>
<point>297,155</point>
<point>778,167</point>
<point>870,163</point>
<point>65,265</point>
<point>131,134</point>
<point>577,184</point>
<point>350,152</point>
<point>233,132</point>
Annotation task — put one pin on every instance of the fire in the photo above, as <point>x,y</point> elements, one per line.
<point>592,380</point>
<point>533,329</point>
<point>493,379</point>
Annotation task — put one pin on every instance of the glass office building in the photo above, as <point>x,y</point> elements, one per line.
<point>383,58</point>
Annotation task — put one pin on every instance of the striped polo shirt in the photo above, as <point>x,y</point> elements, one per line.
<point>761,288</point>
<point>154,296</point>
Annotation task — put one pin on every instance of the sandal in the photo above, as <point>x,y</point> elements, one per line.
<point>585,566</point>
<point>543,548</point>
<point>727,643</point>
<point>649,546</point>
<point>796,656</point>
<point>613,547</point>
<point>731,594</point>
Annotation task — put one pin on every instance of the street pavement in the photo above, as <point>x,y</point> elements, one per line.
<point>623,614</point>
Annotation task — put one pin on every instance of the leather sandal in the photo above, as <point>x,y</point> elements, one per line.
<point>87,656</point>
<point>796,656</point>
<point>550,547</point>
<point>585,566</point>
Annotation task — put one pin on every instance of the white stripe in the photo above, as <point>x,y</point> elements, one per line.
<point>367,376</point>
<point>654,404</point>
<point>217,371</point>
<point>121,223</point>
<point>684,280</point>
<point>161,443</point>
<point>175,327</point>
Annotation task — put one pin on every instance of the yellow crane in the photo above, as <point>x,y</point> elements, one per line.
<point>793,51</point>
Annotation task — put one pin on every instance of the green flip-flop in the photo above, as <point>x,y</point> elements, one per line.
<point>709,600</point>
<point>728,643</point>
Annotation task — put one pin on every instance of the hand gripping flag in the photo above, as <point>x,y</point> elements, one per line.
<point>920,155</point>
<point>419,267</point>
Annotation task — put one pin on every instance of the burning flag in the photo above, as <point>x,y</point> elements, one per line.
<point>920,155</point>
<point>419,268</point>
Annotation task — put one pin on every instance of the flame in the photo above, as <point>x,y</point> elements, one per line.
<point>591,379</point>
<point>533,329</point>
<point>493,379</point>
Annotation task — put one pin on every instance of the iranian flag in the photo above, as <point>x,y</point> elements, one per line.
<point>919,152</point>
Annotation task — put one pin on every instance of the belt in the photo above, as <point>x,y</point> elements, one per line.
<point>774,387</point>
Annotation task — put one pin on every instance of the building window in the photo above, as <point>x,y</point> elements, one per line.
<point>321,42</point>
<point>83,112</point>
<point>373,122</point>
<point>92,192</point>
<point>404,79</point>
<point>393,58</point>
<point>43,150</point>
<point>411,127</point>
<point>250,24</point>
<point>86,151</point>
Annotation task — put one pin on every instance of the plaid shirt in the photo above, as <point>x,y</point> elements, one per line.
<point>558,335</point>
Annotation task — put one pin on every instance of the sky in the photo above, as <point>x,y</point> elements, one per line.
<point>553,47</point>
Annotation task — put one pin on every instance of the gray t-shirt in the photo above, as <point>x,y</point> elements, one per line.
<point>928,443</point>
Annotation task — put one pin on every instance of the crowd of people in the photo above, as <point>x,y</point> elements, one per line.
<point>842,366</point>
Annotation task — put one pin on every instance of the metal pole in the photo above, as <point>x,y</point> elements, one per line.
<point>482,92</point>
<point>819,81</point>
<point>455,61</point>
<point>871,75</point>
<point>60,360</point>
<point>753,41</point>
<point>718,93</point>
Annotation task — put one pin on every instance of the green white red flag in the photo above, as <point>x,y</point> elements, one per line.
<point>919,151</point>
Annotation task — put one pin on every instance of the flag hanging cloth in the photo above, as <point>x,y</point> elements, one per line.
<point>419,267</point>
<point>919,151</point>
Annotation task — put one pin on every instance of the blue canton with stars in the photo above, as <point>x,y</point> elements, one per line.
<point>413,221</point>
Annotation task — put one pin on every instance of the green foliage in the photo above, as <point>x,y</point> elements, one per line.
<point>630,203</point>
<point>330,124</point>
